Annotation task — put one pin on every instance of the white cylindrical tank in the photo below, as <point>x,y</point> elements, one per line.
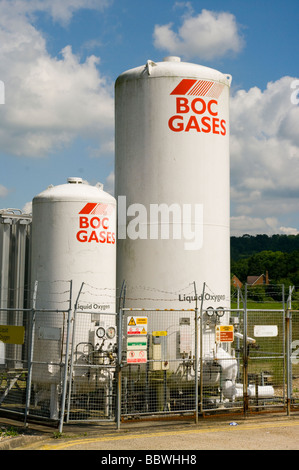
<point>172,184</point>
<point>73,239</point>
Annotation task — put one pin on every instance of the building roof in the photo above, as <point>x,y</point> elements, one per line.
<point>252,280</point>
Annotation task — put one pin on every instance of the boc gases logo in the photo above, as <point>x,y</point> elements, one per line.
<point>94,224</point>
<point>196,107</point>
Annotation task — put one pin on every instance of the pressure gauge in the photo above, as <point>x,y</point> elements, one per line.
<point>110,332</point>
<point>100,332</point>
<point>220,312</point>
<point>210,311</point>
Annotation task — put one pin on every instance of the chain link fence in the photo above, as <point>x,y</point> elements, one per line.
<point>159,374</point>
<point>293,360</point>
<point>158,362</point>
<point>73,366</point>
<point>14,342</point>
<point>92,372</point>
<point>265,371</point>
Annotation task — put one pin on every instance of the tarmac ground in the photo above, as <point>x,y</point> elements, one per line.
<point>141,440</point>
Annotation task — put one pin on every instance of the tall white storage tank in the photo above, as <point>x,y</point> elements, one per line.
<point>172,149</point>
<point>73,239</point>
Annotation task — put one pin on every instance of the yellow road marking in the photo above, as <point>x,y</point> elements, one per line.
<point>141,435</point>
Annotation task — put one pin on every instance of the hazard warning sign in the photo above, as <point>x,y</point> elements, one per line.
<point>137,326</point>
<point>224,333</point>
<point>136,357</point>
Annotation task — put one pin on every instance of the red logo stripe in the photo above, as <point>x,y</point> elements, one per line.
<point>215,91</point>
<point>191,87</point>
<point>96,208</point>
<point>183,86</point>
<point>88,208</point>
<point>201,88</point>
<point>100,209</point>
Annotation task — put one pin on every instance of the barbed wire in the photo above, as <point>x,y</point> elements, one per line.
<point>134,293</point>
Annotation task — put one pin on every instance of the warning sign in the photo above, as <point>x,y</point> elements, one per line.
<point>137,344</point>
<point>137,326</point>
<point>136,357</point>
<point>224,333</point>
<point>159,333</point>
<point>12,334</point>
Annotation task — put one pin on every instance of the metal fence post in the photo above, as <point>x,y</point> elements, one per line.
<point>30,352</point>
<point>201,347</point>
<point>72,354</point>
<point>285,366</point>
<point>289,365</point>
<point>65,377</point>
<point>289,324</point>
<point>196,355</point>
<point>118,369</point>
<point>245,357</point>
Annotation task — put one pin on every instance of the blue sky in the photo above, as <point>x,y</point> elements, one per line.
<point>59,61</point>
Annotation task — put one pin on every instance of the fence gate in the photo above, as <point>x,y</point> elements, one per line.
<point>158,363</point>
<point>293,359</point>
<point>220,360</point>
<point>92,375</point>
<point>264,364</point>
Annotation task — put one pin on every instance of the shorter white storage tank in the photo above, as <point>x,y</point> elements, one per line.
<point>73,242</point>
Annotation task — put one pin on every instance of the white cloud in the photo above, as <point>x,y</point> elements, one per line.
<point>206,36</point>
<point>264,157</point>
<point>27,209</point>
<point>289,231</point>
<point>3,191</point>
<point>253,225</point>
<point>63,10</point>
<point>109,183</point>
<point>60,11</point>
<point>49,100</point>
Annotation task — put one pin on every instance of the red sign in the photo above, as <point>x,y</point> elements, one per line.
<point>224,333</point>
<point>136,357</point>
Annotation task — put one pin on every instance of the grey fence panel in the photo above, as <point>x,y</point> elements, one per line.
<point>32,369</point>
<point>293,369</point>
<point>221,361</point>
<point>46,365</point>
<point>266,372</point>
<point>158,363</point>
<point>92,377</point>
<point>13,362</point>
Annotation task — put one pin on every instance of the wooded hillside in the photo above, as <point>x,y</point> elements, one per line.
<point>277,254</point>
